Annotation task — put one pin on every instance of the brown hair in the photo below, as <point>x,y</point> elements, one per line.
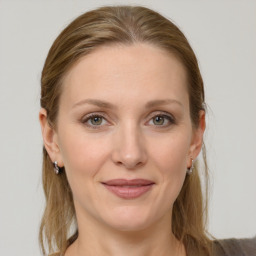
<point>119,25</point>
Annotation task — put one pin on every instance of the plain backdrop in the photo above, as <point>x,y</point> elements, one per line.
<point>223,35</point>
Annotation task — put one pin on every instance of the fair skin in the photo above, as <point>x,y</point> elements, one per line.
<point>124,114</point>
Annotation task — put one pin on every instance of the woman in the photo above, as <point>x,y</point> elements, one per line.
<point>123,117</point>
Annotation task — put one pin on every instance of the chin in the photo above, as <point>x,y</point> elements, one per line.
<point>130,226</point>
<point>127,219</point>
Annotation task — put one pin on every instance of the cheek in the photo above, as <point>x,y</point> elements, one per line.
<point>170,157</point>
<point>170,153</point>
<point>82,155</point>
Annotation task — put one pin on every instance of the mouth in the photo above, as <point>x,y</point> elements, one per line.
<point>129,189</point>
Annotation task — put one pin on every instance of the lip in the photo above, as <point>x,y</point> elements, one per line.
<point>128,189</point>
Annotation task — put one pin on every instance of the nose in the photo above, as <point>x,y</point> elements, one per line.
<point>129,149</point>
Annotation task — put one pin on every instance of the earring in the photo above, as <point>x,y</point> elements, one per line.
<point>56,167</point>
<point>190,170</point>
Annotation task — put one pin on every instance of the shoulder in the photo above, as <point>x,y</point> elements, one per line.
<point>235,247</point>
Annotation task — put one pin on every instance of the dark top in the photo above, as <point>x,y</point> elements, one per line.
<point>235,247</point>
<point>227,247</point>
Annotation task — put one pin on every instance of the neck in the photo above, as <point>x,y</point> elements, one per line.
<point>96,240</point>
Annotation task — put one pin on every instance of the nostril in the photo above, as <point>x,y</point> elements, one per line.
<point>129,153</point>
<point>129,165</point>
<point>119,163</point>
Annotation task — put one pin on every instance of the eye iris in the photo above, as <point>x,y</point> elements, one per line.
<point>96,120</point>
<point>158,120</point>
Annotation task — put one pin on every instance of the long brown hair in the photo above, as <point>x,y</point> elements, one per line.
<point>119,25</point>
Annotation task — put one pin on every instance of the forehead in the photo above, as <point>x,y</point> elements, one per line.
<point>130,69</point>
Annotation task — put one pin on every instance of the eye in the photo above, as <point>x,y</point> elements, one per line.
<point>162,120</point>
<point>159,120</point>
<point>94,120</point>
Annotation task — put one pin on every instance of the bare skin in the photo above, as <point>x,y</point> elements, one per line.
<point>124,114</point>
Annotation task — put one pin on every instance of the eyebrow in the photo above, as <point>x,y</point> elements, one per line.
<point>99,103</point>
<point>104,104</point>
<point>155,103</point>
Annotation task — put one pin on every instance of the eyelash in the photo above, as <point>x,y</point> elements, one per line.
<point>89,117</point>
<point>167,117</point>
<point>170,119</point>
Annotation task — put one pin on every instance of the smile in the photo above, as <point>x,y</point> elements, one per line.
<point>128,189</point>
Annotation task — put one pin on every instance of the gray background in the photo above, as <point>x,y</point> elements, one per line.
<point>223,35</point>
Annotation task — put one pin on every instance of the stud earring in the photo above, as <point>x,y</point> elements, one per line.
<point>190,169</point>
<point>56,167</point>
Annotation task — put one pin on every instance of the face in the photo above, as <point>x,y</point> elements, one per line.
<point>125,135</point>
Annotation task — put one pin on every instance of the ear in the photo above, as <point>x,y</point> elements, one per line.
<point>197,138</point>
<point>50,138</point>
